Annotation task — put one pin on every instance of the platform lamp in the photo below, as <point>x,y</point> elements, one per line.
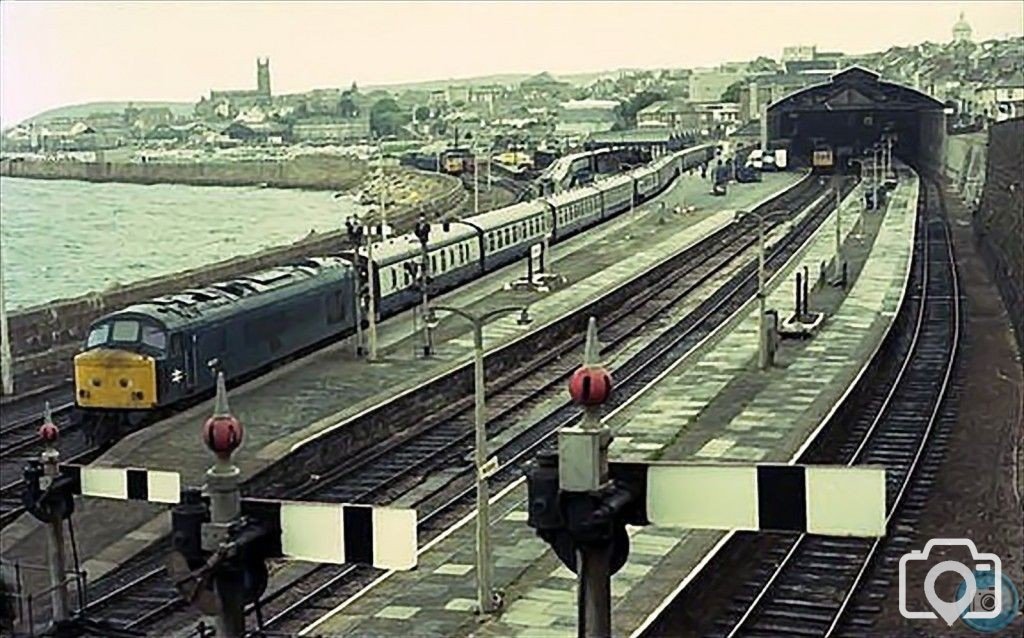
<point>487,599</point>
<point>762,329</point>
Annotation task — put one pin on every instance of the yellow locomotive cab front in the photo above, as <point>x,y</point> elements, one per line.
<point>115,379</point>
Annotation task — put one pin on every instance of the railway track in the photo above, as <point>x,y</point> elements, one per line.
<point>294,606</point>
<point>19,442</point>
<point>443,440</point>
<point>805,585</point>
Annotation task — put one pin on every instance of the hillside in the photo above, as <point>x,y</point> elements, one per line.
<point>81,110</point>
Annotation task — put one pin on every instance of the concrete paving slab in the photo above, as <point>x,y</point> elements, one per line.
<point>302,399</point>
<point>774,412</point>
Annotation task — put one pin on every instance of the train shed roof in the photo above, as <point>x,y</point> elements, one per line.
<point>855,88</point>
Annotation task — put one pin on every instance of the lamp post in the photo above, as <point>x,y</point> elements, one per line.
<point>422,232</point>
<point>371,275</point>
<point>762,330</point>
<point>355,232</point>
<point>485,594</point>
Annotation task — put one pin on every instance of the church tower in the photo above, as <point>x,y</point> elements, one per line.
<point>263,76</point>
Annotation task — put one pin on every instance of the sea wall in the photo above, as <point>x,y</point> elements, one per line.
<point>44,338</point>
<point>311,171</point>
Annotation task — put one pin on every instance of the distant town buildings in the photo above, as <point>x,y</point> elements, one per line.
<point>976,80</point>
<point>1001,99</point>
<point>682,115</point>
<point>542,87</point>
<point>709,85</point>
<point>798,53</point>
<point>579,118</point>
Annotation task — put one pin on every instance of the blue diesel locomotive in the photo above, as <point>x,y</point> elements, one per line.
<point>164,352</point>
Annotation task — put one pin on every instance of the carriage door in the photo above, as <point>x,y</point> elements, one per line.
<point>190,363</point>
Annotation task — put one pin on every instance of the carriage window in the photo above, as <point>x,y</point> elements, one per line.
<point>507,235</point>
<point>394,279</point>
<point>98,335</point>
<point>433,263</point>
<point>490,241</point>
<point>155,337</point>
<point>125,331</point>
<point>444,265</point>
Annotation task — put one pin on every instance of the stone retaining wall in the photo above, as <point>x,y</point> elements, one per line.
<point>312,171</point>
<point>999,217</point>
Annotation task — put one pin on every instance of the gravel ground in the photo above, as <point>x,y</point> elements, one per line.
<point>978,492</point>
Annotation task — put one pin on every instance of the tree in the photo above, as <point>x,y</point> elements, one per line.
<point>347,106</point>
<point>637,103</point>
<point>732,94</point>
<point>386,117</point>
<point>764,64</point>
<point>422,113</point>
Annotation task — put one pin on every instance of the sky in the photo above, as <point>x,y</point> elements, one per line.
<point>54,53</point>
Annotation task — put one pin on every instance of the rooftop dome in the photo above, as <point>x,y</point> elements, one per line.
<point>961,30</point>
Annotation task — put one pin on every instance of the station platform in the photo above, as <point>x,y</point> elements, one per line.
<point>714,404</point>
<point>291,405</point>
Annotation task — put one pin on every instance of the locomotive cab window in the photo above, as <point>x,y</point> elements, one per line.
<point>154,337</point>
<point>98,335</point>
<point>124,331</point>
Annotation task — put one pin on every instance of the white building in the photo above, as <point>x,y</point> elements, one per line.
<point>799,53</point>
<point>1002,100</point>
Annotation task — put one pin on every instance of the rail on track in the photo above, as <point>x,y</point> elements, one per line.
<point>131,596</point>
<point>805,584</point>
<point>383,477</point>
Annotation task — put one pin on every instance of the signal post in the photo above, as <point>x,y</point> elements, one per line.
<point>221,541</point>
<point>580,503</point>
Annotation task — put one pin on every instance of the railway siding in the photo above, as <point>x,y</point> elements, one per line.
<point>770,416</point>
